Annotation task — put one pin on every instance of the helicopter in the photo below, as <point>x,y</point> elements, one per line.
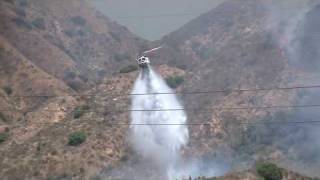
<point>143,60</point>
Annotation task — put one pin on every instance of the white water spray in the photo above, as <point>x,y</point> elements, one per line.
<point>151,137</point>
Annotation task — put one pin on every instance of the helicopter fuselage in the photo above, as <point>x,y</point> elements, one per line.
<point>143,61</point>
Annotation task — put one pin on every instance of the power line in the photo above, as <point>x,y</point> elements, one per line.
<point>183,14</point>
<point>316,122</point>
<point>155,15</point>
<point>178,109</point>
<point>233,90</point>
<point>169,93</point>
<point>214,124</point>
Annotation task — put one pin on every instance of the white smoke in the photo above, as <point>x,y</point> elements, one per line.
<point>150,136</point>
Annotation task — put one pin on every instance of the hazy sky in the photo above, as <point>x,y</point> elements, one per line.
<point>152,19</point>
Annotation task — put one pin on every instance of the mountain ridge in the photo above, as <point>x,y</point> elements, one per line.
<point>76,51</point>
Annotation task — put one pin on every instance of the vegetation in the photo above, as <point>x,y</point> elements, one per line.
<point>39,23</point>
<point>22,23</point>
<point>3,117</point>
<point>71,33</point>
<point>23,3</point>
<point>2,49</point>
<point>75,32</point>
<point>78,20</point>
<point>3,137</point>
<point>69,75</point>
<point>174,81</point>
<point>129,69</point>
<point>7,90</point>
<point>115,36</point>
<point>77,138</point>
<point>21,12</point>
<point>269,171</point>
<point>83,78</point>
<point>121,57</point>
<point>75,85</point>
<point>80,111</point>
<point>9,1</point>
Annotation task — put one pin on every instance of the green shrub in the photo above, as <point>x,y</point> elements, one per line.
<point>75,85</point>
<point>9,1</point>
<point>69,75</point>
<point>72,33</point>
<point>21,12</point>
<point>7,90</point>
<point>23,3</point>
<point>2,49</point>
<point>174,81</point>
<point>39,23</point>
<point>80,111</point>
<point>269,171</point>
<point>83,78</point>
<point>22,23</point>
<point>78,20</point>
<point>77,138</point>
<point>3,137</point>
<point>128,69</point>
<point>115,36</point>
<point>3,117</point>
<point>121,57</point>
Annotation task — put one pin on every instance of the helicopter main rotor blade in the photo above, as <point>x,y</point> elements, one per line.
<point>151,50</point>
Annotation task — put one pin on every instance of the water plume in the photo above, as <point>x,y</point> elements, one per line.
<point>151,137</point>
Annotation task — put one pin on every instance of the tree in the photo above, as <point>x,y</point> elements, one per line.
<point>7,89</point>
<point>77,138</point>
<point>129,69</point>
<point>80,111</point>
<point>39,23</point>
<point>269,171</point>
<point>78,20</point>
<point>174,81</point>
<point>3,137</point>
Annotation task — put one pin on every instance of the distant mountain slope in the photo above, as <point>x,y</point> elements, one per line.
<point>65,48</point>
<point>253,175</point>
<point>67,39</point>
<point>231,47</point>
<point>49,51</point>
<point>228,48</point>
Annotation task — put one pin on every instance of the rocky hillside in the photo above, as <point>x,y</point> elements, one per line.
<point>229,48</point>
<point>66,48</point>
<point>232,47</point>
<point>69,40</point>
<point>48,52</point>
<point>267,172</point>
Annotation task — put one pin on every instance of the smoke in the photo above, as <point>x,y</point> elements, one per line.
<point>295,26</point>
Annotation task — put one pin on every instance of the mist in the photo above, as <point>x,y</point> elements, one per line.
<point>160,144</point>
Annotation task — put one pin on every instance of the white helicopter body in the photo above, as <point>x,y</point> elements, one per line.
<point>144,60</point>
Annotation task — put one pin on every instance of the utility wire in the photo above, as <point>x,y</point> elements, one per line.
<point>180,109</point>
<point>315,122</point>
<point>215,124</point>
<point>168,93</point>
<point>197,14</point>
<point>155,15</point>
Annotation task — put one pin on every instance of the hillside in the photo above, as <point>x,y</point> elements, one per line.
<point>68,37</point>
<point>229,48</point>
<point>62,49</point>
<point>50,50</point>
<point>232,47</point>
<point>252,174</point>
